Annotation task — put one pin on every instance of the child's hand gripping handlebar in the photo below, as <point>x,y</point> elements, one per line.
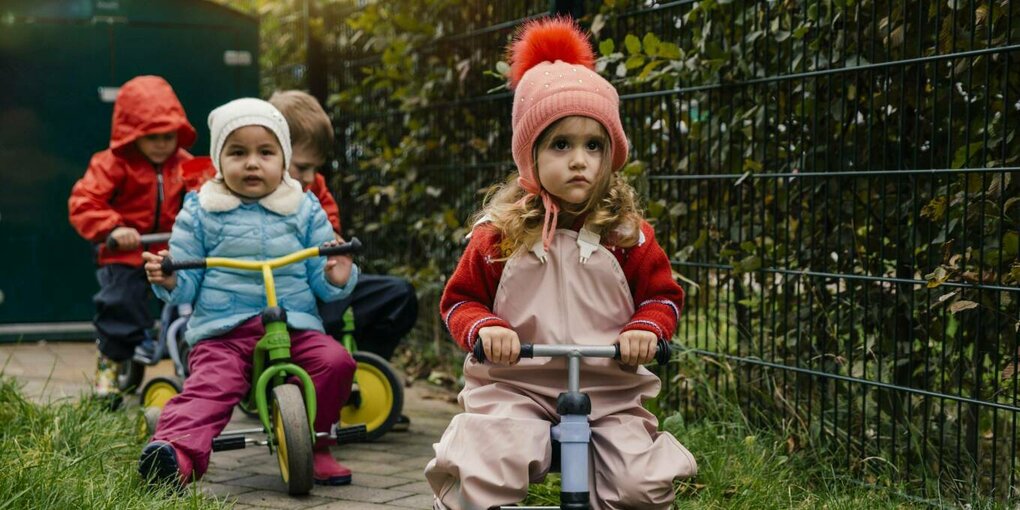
<point>663,351</point>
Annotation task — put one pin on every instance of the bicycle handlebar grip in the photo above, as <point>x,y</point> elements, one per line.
<point>479,351</point>
<point>169,265</point>
<point>527,351</point>
<point>352,246</point>
<point>160,237</point>
<point>663,352</point>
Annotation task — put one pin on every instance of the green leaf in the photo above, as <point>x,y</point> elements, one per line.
<point>935,209</point>
<point>607,47</point>
<point>965,153</point>
<point>635,61</point>
<point>747,264</point>
<point>651,44</point>
<point>632,43</point>
<point>669,51</point>
<point>937,277</point>
<point>1014,273</point>
<point>1010,244</point>
<point>649,67</point>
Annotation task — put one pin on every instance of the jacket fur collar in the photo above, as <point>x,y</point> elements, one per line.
<point>214,196</point>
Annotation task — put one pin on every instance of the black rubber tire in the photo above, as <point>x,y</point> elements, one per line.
<point>129,376</point>
<point>384,380</point>
<point>293,436</point>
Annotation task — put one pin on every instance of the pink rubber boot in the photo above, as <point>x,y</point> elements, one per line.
<point>326,470</point>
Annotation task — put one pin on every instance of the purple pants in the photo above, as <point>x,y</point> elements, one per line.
<point>220,378</point>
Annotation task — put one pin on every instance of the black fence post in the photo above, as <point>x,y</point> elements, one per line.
<point>315,65</point>
<point>572,8</point>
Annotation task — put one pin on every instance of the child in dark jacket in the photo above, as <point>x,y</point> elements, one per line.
<point>385,307</point>
<point>132,187</point>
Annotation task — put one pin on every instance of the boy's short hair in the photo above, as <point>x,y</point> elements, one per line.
<point>307,120</point>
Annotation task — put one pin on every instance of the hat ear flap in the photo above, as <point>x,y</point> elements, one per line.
<point>548,40</point>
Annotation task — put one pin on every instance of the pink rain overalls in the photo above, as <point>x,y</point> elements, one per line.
<point>501,442</point>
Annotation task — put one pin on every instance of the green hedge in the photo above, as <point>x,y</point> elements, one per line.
<point>835,182</point>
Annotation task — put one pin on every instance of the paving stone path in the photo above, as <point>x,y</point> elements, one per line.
<point>388,474</point>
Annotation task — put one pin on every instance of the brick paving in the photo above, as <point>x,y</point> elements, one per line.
<point>388,474</point>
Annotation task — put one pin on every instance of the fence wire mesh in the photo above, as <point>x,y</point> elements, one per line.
<point>834,181</point>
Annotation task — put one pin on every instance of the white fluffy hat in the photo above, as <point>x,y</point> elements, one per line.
<point>248,111</point>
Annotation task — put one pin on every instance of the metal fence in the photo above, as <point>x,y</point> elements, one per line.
<point>834,180</point>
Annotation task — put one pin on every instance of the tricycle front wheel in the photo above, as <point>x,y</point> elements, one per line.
<point>293,437</point>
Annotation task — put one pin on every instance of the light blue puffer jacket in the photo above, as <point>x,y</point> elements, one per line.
<point>224,298</point>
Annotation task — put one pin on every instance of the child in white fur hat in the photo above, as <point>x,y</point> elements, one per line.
<point>252,210</point>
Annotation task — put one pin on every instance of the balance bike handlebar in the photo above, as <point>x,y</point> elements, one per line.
<point>350,247</point>
<point>663,351</point>
<point>146,239</point>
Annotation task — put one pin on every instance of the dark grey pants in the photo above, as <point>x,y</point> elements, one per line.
<point>122,310</point>
<point>385,309</point>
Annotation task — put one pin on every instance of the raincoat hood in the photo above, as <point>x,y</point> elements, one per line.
<point>145,105</point>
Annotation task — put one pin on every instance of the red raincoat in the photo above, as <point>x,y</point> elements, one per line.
<point>121,187</point>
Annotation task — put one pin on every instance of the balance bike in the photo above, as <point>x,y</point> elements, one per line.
<point>573,433</point>
<point>286,412</point>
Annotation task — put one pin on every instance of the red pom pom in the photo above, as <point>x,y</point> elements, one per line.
<point>548,40</point>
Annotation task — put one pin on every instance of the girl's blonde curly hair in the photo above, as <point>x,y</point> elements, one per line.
<point>612,210</point>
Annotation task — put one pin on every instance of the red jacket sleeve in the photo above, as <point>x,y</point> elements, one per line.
<point>466,305</point>
<point>321,192</point>
<point>658,299</point>
<point>89,207</point>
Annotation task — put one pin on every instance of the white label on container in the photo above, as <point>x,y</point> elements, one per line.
<point>108,94</point>
<point>237,58</point>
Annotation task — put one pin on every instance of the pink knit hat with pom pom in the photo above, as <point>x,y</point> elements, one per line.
<point>553,76</point>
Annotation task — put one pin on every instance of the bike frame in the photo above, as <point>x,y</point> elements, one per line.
<point>573,432</point>
<point>272,364</point>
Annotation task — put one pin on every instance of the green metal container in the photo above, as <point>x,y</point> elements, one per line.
<point>61,64</point>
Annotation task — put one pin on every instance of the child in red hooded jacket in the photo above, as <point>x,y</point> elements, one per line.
<point>133,187</point>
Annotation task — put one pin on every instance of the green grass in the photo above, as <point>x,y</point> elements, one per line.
<point>741,469</point>
<point>73,454</point>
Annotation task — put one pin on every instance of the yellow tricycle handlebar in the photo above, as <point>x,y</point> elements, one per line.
<point>266,266</point>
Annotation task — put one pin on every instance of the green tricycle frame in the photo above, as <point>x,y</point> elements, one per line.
<point>288,419</point>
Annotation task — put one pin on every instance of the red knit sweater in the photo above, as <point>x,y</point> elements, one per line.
<point>466,305</point>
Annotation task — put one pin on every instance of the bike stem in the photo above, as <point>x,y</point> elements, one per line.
<point>574,434</point>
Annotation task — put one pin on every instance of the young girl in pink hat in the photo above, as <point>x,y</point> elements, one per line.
<point>560,254</point>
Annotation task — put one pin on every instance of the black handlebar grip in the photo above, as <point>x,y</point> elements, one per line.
<point>144,239</point>
<point>479,351</point>
<point>169,265</point>
<point>352,246</point>
<point>663,352</point>
<point>527,351</point>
